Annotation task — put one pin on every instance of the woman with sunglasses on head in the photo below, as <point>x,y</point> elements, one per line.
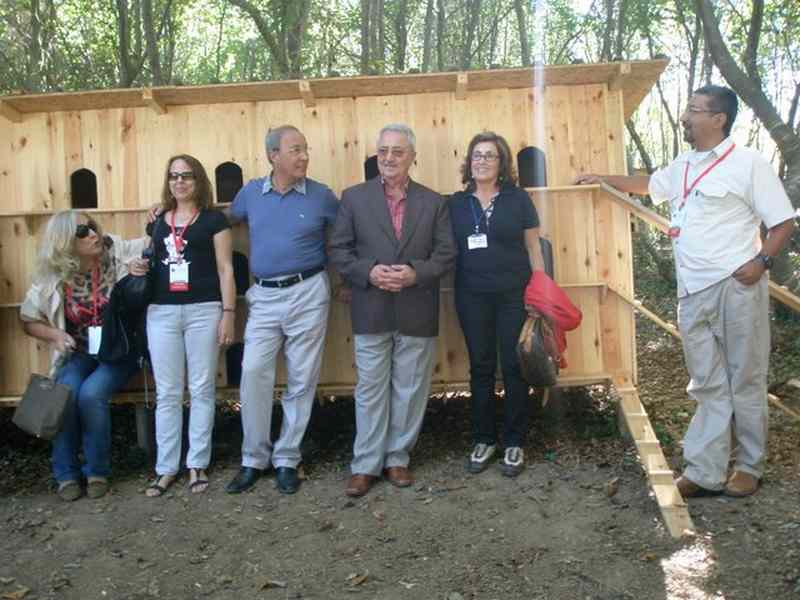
<point>77,268</point>
<point>496,229</point>
<point>190,317</point>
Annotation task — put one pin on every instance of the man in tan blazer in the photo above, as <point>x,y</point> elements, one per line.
<point>392,242</point>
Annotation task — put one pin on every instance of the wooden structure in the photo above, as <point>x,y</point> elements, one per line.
<point>121,139</point>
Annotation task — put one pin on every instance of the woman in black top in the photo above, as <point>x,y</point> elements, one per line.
<point>496,228</point>
<point>190,317</point>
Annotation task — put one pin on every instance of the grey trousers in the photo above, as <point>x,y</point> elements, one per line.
<point>394,382</point>
<point>296,319</point>
<point>726,342</point>
<point>179,336</point>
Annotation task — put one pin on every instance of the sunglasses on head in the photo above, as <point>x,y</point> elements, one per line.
<point>83,229</point>
<point>183,175</point>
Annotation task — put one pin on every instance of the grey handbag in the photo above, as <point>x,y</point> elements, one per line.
<point>41,410</point>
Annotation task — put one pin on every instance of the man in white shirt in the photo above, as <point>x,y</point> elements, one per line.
<point>719,195</point>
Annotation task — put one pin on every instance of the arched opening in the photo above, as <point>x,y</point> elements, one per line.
<point>229,181</point>
<point>83,189</point>
<point>532,167</point>
<point>371,167</point>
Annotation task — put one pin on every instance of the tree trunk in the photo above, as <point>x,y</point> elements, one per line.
<point>366,6</point>
<point>749,89</point>
<point>608,32</point>
<point>295,25</point>
<point>427,44</point>
<point>33,71</point>
<point>123,44</point>
<point>473,15</point>
<point>522,26</point>
<point>151,43</point>
<point>619,45</point>
<point>401,36</point>
<point>277,50</point>
<point>440,28</point>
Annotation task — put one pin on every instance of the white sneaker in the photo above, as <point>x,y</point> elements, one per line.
<point>513,461</point>
<point>480,457</point>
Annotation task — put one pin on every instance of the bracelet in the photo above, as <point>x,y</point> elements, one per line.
<point>228,310</point>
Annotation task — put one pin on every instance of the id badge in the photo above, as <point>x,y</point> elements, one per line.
<point>95,336</point>
<point>677,222</point>
<point>179,277</point>
<point>477,240</point>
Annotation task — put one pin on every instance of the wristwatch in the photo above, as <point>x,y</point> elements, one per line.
<point>766,260</point>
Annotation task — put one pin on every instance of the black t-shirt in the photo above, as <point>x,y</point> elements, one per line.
<point>504,265</point>
<point>198,250</point>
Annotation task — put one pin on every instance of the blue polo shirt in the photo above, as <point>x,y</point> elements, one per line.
<point>287,231</point>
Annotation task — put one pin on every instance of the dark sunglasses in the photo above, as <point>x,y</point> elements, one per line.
<point>83,229</point>
<point>184,176</point>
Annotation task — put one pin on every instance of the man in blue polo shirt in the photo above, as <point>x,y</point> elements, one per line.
<point>287,215</point>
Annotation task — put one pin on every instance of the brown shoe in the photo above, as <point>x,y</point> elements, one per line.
<point>359,485</point>
<point>399,476</point>
<point>689,489</point>
<point>741,484</point>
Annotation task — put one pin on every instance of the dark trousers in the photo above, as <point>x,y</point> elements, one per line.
<point>491,320</point>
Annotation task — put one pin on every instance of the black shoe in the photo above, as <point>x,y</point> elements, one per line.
<point>286,480</point>
<point>244,480</point>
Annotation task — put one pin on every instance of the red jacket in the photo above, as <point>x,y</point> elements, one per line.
<point>543,294</point>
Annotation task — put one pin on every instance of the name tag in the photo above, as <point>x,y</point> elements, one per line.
<point>95,336</point>
<point>179,277</point>
<point>677,221</point>
<point>477,240</point>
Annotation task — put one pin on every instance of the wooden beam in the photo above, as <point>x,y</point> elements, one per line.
<point>9,112</point>
<point>672,506</point>
<point>617,78</point>
<point>638,306</point>
<point>151,99</point>
<point>307,94</point>
<point>462,81</point>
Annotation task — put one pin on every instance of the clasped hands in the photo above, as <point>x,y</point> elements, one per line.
<point>392,278</point>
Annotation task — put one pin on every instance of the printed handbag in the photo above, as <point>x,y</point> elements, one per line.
<point>41,410</point>
<point>538,354</point>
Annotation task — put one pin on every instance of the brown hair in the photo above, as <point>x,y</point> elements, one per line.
<point>203,196</point>
<point>506,174</point>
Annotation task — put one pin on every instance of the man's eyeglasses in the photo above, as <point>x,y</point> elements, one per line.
<point>693,110</point>
<point>83,229</point>
<point>489,157</point>
<point>394,151</point>
<point>183,176</point>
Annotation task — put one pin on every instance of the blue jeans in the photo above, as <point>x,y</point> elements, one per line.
<point>87,419</point>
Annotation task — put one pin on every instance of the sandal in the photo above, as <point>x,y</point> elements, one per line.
<point>69,490</point>
<point>158,488</point>
<point>96,487</point>
<point>200,479</point>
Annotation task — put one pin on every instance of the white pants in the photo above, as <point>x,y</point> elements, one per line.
<point>179,336</point>
<point>295,318</point>
<point>726,341</point>
<point>394,382</point>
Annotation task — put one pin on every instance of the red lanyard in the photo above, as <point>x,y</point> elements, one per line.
<point>179,238</point>
<point>95,312</point>
<point>687,191</point>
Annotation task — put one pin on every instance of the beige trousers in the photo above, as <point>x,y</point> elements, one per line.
<point>726,342</point>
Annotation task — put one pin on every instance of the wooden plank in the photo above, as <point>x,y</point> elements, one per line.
<point>635,87</point>
<point>8,111</point>
<point>307,94</point>
<point>462,82</point>
<point>152,100</point>
<point>617,80</point>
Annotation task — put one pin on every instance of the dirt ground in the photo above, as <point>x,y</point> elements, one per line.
<point>553,533</point>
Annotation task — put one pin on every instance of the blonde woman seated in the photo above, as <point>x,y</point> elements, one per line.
<point>77,269</point>
<point>190,317</point>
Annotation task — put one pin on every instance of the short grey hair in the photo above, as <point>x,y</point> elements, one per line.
<point>400,128</point>
<point>272,141</point>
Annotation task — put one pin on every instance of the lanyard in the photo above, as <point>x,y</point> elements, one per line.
<point>476,218</point>
<point>95,298</point>
<point>179,238</point>
<point>688,190</point>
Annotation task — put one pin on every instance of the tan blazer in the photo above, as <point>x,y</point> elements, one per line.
<point>363,236</point>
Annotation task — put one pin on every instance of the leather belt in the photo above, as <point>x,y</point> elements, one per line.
<point>289,281</point>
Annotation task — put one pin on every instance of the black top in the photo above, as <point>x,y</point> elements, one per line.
<point>198,251</point>
<point>504,265</point>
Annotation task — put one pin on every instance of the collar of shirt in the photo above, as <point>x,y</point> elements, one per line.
<point>394,194</point>
<point>694,157</point>
<point>299,186</point>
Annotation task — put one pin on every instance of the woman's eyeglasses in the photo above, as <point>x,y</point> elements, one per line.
<point>489,157</point>
<point>83,229</point>
<point>183,176</point>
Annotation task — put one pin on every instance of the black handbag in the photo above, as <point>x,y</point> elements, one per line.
<point>537,351</point>
<point>41,410</point>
